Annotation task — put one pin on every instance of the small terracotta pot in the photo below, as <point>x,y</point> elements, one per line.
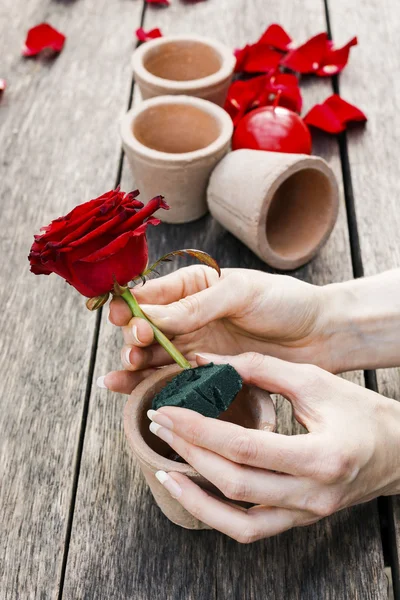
<point>252,408</point>
<point>172,144</point>
<point>282,206</point>
<point>184,64</point>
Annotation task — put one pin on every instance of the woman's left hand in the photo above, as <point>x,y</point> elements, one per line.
<point>350,455</point>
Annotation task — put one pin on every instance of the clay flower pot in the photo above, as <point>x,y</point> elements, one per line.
<point>282,206</point>
<point>172,144</point>
<point>184,64</point>
<point>252,408</point>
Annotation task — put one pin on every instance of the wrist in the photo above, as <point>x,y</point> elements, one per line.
<point>361,321</point>
<point>392,438</point>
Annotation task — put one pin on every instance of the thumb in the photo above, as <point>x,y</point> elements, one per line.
<point>195,311</point>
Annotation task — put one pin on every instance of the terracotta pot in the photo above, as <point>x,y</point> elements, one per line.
<point>172,144</point>
<point>252,408</point>
<point>282,206</point>
<point>184,64</point>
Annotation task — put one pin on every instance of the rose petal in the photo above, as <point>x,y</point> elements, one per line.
<point>335,60</point>
<point>158,2</point>
<point>333,115</point>
<point>318,55</point>
<point>242,95</point>
<point>257,58</point>
<point>145,36</point>
<point>276,37</point>
<point>308,57</point>
<point>43,37</point>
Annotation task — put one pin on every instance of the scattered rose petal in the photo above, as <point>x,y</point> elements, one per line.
<point>159,2</point>
<point>333,115</point>
<point>43,37</point>
<point>319,55</point>
<point>145,36</point>
<point>288,86</point>
<point>262,91</point>
<point>3,85</point>
<point>257,58</point>
<point>276,37</point>
<point>242,95</point>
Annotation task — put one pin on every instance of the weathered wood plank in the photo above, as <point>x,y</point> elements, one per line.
<point>147,556</point>
<point>369,83</point>
<point>59,146</point>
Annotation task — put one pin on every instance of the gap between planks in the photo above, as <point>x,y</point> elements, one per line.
<point>89,383</point>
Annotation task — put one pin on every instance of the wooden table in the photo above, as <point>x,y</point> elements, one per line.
<point>76,519</point>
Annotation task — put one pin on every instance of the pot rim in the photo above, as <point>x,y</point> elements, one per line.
<point>228,62</point>
<point>133,409</point>
<point>131,142</point>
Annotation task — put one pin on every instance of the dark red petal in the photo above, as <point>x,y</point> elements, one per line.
<point>260,59</point>
<point>3,85</point>
<point>158,2</point>
<point>133,222</point>
<point>288,87</point>
<point>276,37</point>
<point>333,115</point>
<point>126,263</point>
<point>241,55</point>
<point>335,60</point>
<point>43,37</point>
<point>145,36</point>
<point>309,57</point>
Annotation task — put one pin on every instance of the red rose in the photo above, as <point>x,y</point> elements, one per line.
<point>98,242</point>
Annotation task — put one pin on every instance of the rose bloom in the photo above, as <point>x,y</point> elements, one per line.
<point>97,243</point>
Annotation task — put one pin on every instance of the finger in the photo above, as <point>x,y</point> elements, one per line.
<point>243,525</point>
<point>176,285</point>
<point>138,333</point>
<point>197,310</point>
<point>239,482</point>
<point>294,455</point>
<point>270,373</point>
<point>134,359</point>
<point>167,289</point>
<point>123,382</point>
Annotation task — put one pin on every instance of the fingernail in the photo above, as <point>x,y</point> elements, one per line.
<point>170,484</point>
<point>100,382</point>
<point>127,354</point>
<point>204,356</point>
<point>108,316</point>
<point>159,418</point>
<point>161,432</point>
<point>135,334</point>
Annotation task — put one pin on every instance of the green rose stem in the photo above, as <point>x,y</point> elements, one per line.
<point>159,336</point>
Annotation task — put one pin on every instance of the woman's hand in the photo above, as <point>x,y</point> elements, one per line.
<point>350,455</point>
<point>242,311</point>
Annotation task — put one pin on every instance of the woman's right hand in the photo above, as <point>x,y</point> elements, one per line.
<point>241,311</point>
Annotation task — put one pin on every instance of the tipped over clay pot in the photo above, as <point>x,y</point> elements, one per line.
<point>172,144</point>
<point>184,64</point>
<point>252,408</point>
<point>282,206</point>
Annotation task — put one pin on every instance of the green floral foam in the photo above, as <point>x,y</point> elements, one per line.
<point>209,390</point>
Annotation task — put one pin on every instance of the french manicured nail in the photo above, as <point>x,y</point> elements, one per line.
<point>170,484</point>
<point>204,356</point>
<point>135,334</point>
<point>127,355</point>
<point>161,419</point>
<point>108,316</point>
<point>100,382</point>
<point>161,432</point>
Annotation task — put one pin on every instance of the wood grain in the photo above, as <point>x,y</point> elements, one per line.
<point>122,547</point>
<point>59,147</point>
<point>369,83</point>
